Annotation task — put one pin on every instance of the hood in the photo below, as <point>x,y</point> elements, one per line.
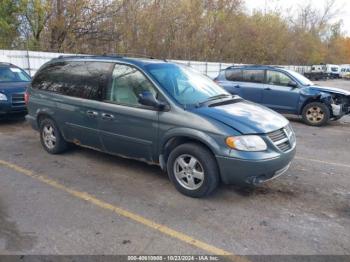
<point>245,117</point>
<point>13,87</point>
<point>331,89</point>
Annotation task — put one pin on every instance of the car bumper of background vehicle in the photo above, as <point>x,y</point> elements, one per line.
<point>6,108</point>
<point>32,121</point>
<point>253,172</point>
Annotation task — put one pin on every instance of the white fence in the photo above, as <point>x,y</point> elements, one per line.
<point>31,62</point>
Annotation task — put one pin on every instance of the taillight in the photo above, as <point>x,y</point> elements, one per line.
<point>26,97</point>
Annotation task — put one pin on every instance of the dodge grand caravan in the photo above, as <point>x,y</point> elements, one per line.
<point>161,113</point>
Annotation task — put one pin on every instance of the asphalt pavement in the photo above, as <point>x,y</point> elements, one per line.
<point>86,202</point>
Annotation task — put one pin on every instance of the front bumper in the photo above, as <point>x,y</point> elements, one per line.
<point>246,171</point>
<point>7,108</point>
<point>340,110</point>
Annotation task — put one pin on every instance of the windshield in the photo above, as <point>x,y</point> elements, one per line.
<point>13,74</point>
<point>302,79</point>
<point>334,69</point>
<point>184,84</point>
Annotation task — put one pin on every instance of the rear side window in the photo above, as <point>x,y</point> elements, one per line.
<point>234,75</point>
<point>78,79</point>
<point>254,76</point>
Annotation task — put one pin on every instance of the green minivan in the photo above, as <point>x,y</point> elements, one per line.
<point>161,113</point>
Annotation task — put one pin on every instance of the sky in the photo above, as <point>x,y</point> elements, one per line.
<point>342,5</point>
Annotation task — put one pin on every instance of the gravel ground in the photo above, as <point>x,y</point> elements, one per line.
<point>304,212</point>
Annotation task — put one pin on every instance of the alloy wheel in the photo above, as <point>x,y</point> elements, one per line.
<point>189,172</point>
<point>49,136</point>
<point>315,114</point>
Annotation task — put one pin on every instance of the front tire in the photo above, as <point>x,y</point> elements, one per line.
<point>193,170</point>
<point>51,138</point>
<point>316,114</point>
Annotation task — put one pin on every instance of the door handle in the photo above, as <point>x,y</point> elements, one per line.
<point>92,114</point>
<point>237,86</point>
<point>267,88</point>
<point>106,116</point>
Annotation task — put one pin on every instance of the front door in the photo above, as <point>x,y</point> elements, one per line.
<point>128,128</point>
<point>278,94</point>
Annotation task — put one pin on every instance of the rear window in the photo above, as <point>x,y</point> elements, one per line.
<point>13,74</point>
<point>78,79</point>
<point>234,75</point>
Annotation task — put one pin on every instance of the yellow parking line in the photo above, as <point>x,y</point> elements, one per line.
<point>323,162</point>
<point>122,212</point>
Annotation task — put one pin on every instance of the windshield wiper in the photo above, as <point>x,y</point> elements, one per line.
<point>213,98</point>
<point>216,97</point>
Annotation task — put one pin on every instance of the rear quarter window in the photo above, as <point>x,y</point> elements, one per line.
<point>78,79</point>
<point>233,75</point>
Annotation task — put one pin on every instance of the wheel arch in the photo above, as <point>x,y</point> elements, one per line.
<point>42,114</point>
<point>324,98</point>
<point>173,140</point>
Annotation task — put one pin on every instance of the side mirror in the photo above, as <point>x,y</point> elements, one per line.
<point>146,98</point>
<point>293,84</point>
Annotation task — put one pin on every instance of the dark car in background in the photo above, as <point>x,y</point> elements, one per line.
<point>286,91</point>
<point>13,83</point>
<point>161,113</point>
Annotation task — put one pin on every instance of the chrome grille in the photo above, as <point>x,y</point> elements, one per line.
<point>277,135</point>
<point>283,138</point>
<point>18,99</point>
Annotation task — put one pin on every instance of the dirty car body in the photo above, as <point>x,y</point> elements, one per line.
<point>285,91</point>
<point>161,113</point>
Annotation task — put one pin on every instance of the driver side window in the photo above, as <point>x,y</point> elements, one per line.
<point>277,78</point>
<point>128,83</point>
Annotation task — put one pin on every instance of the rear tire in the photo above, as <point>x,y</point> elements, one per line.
<point>316,114</point>
<point>193,170</point>
<point>51,138</point>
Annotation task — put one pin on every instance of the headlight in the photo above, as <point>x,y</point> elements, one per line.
<point>246,143</point>
<point>3,97</point>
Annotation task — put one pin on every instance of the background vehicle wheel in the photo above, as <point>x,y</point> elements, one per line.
<point>316,114</point>
<point>51,138</point>
<point>193,170</point>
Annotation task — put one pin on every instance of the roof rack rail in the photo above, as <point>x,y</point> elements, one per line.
<point>250,65</point>
<point>129,55</point>
<point>115,55</point>
<point>74,56</point>
<point>134,55</point>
